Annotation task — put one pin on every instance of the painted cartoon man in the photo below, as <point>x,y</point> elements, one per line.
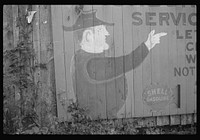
<point>93,73</point>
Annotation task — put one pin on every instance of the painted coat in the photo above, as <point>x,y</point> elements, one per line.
<point>99,82</point>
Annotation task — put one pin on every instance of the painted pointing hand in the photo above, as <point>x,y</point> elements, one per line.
<point>153,39</point>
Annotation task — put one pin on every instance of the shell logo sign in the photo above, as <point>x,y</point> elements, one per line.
<point>158,97</point>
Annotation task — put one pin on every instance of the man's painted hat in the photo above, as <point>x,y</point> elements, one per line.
<point>86,20</point>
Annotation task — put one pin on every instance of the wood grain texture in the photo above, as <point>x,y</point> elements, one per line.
<point>190,52</point>
<point>157,68</point>
<point>59,59</point>
<point>127,33</point>
<point>69,47</point>
<point>69,50</point>
<point>119,46</point>
<point>46,57</point>
<point>56,48</point>
<point>181,60</point>
<point>137,38</point>
<point>172,60</point>
<point>155,57</point>
<point>106,14</point>
<point>148,64</point>
<point>164,56</point>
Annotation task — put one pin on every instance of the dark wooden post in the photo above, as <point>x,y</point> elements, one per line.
<point>42,41</point>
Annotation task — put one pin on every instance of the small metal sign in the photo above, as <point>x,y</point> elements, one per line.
<point>157,96</point>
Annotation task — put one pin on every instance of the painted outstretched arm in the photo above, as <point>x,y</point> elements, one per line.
<point>140,53</point>
<point>110,67</point>
<point>131,61</point>
<point>107,68</point>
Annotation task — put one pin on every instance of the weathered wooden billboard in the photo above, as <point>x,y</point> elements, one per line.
<point>125,61</point>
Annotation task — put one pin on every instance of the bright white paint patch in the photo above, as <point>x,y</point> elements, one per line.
<point>97,43</point>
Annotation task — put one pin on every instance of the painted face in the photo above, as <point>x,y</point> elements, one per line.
<point>98,43</point>
<point>101,33</point>
<point>100,37</point>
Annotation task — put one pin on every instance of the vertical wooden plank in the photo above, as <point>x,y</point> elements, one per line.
<point>36,46</point>
<point>166,56</point>
<point>147,64</point>
<point>195,74</point>
<point>155,57</point>
<point>127,33</point>
<point>195,87</point>
<point>38,76</point>
<point>133,85</point>
<point>181,63</point>
<point>164,47</point>
<point>189,70</point>
<point>137,32</point>
<point>44,54</point>
<point>125,80</point>
<point>59,58</point>
<point>143,73</point>
<point>195,71</point>
<point>105,97</point>
<point>172,60</point>
<point>107,16</point>
<point>118,42</point>
<point>68,19</point>
<point>51,67</point>
<point>44,40</point>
